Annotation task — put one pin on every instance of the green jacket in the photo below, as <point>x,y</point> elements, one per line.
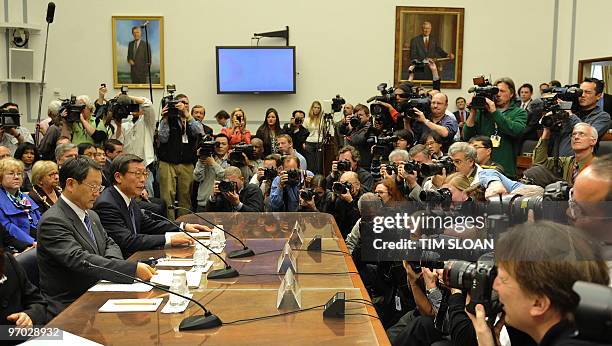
<point>510,124</point>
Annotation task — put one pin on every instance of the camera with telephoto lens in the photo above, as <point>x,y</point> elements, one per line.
<point>559,100</point>
<point>420,102</point>
<point>227,186</point>
<point>9,118</point>
<point>294,177</point>
<point>270,173</point>
<point>593,315</point>
<point>72,109</point>
<point>237,159</point>
<point>307,194</point>
<point>477,278</point>
<point>442,197</point>
<point>344,165</point>
<point>206,147</point>
<point>482,90</point>
<point>445,162</point>
<point>171,102</point>
<point>122,106</point>
<point>409,166</point>
<point>341,188</point>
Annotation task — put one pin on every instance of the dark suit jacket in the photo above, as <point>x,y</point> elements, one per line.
<point>8,242</point>
<point>250,196</point>
<point>149,233</point>
<point>139,71</point>
<point>63,245</point>
<point>18,294</point>
<point>420,52</point>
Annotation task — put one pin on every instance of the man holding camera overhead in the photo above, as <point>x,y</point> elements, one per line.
<point>285,190</point>
<point>232,194</point>
<point>501,120</point>
<point>83,127</point>
<point>348,161</point>
<point>178,136</point>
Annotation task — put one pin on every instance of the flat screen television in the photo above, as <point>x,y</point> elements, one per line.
<point>255,70</point>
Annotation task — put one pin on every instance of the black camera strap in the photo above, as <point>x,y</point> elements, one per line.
<point>442,310</point>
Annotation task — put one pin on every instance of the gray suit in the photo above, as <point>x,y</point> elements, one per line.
<point>63,245</point>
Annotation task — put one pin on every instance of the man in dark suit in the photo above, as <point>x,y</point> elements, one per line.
<point>243,197</point>
<point>69,233</point>
<point>122,217</point>
<point>426,46</point>
<point>138,56</point>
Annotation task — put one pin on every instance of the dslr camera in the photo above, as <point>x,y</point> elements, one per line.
<point>442,197</point>
<point>445,162</point>
<point>74,111</point>
<point>341,188</point>
<point>307,194</point>
<point>227,186</point>
<point>270,173</point>
<point>170,101</point>
<point>122,106</point>
<point>482,90</point>
<point>344,165</point>
<point>9,118</point>
<point>294,177</point>
<point>419,65</point>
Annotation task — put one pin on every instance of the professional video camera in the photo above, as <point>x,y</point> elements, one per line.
<point>307,194</point>
<point>294,177</point>
<point>445,162</point>
<point>477,278</point>
<point>482,90</point>
<point>336,106</point>
<point>206,147</point>
<point>9,118</point>
<point>73,111</point>
<point>237,159</point>
<point>593,315</point>
<point>170,101</point>
<point>559,100</point>
<point>420,102</point>
<point>227,186</point>
<point>122,106</point>
<point>270,173</point>
<point>379,112</point>
<point>341,188</point>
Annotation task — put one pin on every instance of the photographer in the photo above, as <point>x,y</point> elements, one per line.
<point>320,198</point>
<point>357,136</point>
<point>347,111</point>
<point>347,192</point>
<point>85,129</point>
<point>11,137</point>
<point>534,281</point>
<point>502,121</point>
<point>295,128</point>
<point>237,133</point>
<point>442,124</point>
<point>464,158</point>
<point>47,142</point>
<point>348,160</point>
<point>589,112</point>
<point>178,136</point>
<point>272,165</point>
<point>583,138</point>
<point>285,191</point>
<point>207,171</point>
<point>285,147</point>
<point>232,194</point>
<point>222,150</point>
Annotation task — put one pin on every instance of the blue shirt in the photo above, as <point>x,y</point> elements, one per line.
<point>277,200</point>
<point>487,175</point>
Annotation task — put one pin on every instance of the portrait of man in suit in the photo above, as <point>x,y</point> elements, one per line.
<point>424,34</point>
<point>138,55</point>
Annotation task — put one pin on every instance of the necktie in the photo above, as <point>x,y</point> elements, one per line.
<point>426,42</point>
<point>89,227</point>
<point>132,218</point>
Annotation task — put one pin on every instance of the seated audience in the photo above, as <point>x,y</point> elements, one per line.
<point>28,154</point>
<point>239,196</point>
<point>45,185</point>
<point>71,233</point>
<point>269,131</point>
<point>285,189</point>
<point>237,133</point>
<point>348,155</point>
<point>19,214</point>
<point>122,217</point>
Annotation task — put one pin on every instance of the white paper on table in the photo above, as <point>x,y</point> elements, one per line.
<point>107,286</point>
<point>174,262</point>
<point>132,305</point>
<point>67,339</point>
<point>169,309</point>
<point>199,235</point>
<point>164,277</point>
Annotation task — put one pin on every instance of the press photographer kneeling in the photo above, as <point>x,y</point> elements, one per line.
<point>231,194</point>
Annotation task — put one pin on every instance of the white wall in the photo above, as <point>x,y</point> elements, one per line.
<point>343,46</point>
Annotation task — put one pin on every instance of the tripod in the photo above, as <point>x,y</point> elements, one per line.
<point>326,143</point>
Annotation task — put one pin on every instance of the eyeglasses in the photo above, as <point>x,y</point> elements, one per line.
<point>94,188</point>
<point>139,174</point>
<point>15,174</point>
<point>457,162</point>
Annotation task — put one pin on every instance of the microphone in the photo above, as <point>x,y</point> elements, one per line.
<point>206,321</point>
<point>144,24</point>
<point>50,12</point>
<point>227,272</point>
<point>371,99</point>
<point>245,252</point>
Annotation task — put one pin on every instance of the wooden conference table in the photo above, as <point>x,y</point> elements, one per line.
<point>244,296</point>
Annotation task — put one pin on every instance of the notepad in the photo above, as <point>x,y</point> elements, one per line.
<point>164,278</point>
<point>131,305</point>
<point>107,286</point>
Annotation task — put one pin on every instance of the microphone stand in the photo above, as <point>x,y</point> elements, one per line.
<point>227,272</point>
<point>245,252</point>
<point>42,85</point>
<point>206,321</point>
<point>149,60</point>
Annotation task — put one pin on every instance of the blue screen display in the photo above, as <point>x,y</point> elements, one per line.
<point>255,69</point>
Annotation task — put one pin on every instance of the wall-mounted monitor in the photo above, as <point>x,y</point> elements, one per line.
<point>254,70</point>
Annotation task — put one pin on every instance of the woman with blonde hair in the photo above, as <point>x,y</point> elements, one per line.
<point>312,123</point>
<point>45,184</point>
<point>238,132</point>
<point>19,214</point>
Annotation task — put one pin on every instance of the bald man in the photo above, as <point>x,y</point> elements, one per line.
<point>440,120</point>
<point>347,191</point>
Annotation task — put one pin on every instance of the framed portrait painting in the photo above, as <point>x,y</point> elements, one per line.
<point>137,42</point>
<point>429,34</point>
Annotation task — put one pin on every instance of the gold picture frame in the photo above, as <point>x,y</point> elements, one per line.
<point>444,43</point>
<point>130,67</point>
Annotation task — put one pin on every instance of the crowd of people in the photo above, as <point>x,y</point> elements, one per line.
<point>79,193</point>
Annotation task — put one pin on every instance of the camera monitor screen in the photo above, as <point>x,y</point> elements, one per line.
<point>255,70</point>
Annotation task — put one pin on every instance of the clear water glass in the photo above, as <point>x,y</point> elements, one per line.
<point>200,257</point>
<point>179,285</point>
